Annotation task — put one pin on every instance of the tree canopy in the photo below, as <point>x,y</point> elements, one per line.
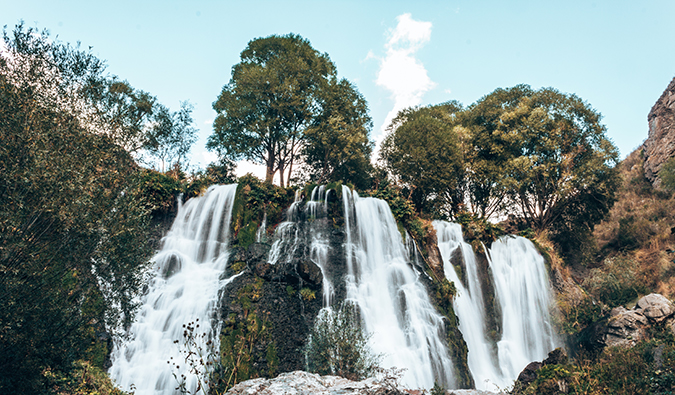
<point>540,153</point>
<point>281,89</point>
<point>424,152</point>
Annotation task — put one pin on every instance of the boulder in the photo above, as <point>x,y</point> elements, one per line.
<point>655,307</point>
<point>625,327</point>
<point>302,383</point>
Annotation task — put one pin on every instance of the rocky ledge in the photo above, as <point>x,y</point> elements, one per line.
<point>303,383</point>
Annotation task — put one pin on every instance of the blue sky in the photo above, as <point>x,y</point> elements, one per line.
<point>617,55</point>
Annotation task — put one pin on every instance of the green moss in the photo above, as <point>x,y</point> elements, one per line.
<point>290,290</point>
<point>307,294</point>
<point>246,339</point>
<point>238,266</point>
<point>272,358</point>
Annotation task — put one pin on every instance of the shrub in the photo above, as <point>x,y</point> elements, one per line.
<point>338,346</point>
<point>616,282</point>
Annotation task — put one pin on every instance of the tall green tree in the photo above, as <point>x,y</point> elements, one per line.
<point>490,150</point>
<point>424,152</point>
<point>336,145</point>
<point>73,228</point>
<point>563,164</point>
<point>275,95</point>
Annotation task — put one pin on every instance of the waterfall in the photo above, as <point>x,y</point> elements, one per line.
<point>184,288</point>
<point>395,308</point>
<point>469,306</point>
<point>524,294</point>
<point>303,223</point>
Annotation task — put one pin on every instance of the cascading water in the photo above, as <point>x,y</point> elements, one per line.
<point>469,306</point>
<point>395,308</point>
<point>184,289</point>
<point>522,288</point>
<point>290,235</point>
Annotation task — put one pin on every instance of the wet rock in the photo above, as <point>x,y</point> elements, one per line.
<point>655,307</point>
<point>310,273</point>
<point>529,374</point>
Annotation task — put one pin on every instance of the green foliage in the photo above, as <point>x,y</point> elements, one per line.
<point>307,294</point>
<point>437,389</point>
<point>171,135</point>
<point>578,316</point>
<point>540,153</point>
<point>478,230</point>
<point>338,346</point>
<point>160,191</point>
<point>424,153</point>
<point>269,101</point>
<point>82,379</point>
<point>73,221</point>
<point>336,146</point>
<point>616,282</point>
<point>647,368</point>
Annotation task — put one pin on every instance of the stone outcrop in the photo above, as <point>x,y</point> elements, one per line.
<point>660,145</point>
<point>299,382</point>
<point>626,327</point>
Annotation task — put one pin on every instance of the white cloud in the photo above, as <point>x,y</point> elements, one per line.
<point>400,72</point>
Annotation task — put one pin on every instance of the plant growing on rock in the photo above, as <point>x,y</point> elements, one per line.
<point>338,346</point>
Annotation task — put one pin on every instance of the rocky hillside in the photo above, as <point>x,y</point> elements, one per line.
<point>660,146</point>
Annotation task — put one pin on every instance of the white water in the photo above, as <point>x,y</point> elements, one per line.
<point>185,288</point>
<point>289,235</point>
<point>524,294</point>
<point>469,307</point>
<point>395,308</point>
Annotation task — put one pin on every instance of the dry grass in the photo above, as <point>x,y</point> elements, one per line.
<point>639,228</point>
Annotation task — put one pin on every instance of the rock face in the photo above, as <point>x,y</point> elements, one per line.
<point>660,145</point>
<point>627,327</point>
<point>302,383</point>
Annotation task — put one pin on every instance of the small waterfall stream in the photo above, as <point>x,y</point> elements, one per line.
<point>184,288</point>
<point>523,293</point>
<point>395,308</point>
<point>469,306</point>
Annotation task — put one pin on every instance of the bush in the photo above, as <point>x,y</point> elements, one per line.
<point>616,282</point>
<point>338,346</point>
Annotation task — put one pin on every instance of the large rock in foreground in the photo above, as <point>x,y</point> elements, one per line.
<point>303,383</point>
<point>660,145</point>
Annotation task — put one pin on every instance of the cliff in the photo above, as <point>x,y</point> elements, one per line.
<point>660,145</point>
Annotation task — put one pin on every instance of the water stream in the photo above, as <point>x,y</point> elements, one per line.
<point>395,308</point>
<point>184,288</point>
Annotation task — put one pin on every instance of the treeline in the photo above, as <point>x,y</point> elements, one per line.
<point>73,215</point>
<point>540,155</point>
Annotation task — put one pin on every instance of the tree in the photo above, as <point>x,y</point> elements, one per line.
<point>271,99</point>
<point>563,164</point>
<point>73,228</point>
<point>424,152</point>
<point>172,134</point>
<point>490,150</point>
<point>336,145</point>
